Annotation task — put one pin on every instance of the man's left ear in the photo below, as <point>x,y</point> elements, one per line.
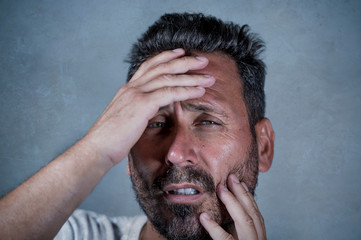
<point>265,142</point>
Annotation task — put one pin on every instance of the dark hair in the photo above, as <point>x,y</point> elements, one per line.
<point>196,32</point>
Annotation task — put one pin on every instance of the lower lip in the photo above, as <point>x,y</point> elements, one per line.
<point>183,199</point>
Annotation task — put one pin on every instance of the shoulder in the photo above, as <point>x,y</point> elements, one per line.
<point>90,225</point>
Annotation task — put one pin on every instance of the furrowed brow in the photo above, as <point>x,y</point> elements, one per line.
<point>201,107</point>
<point>191,107</point>
<point>198,107</point>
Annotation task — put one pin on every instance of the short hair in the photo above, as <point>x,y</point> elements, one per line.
<point>197,32</point>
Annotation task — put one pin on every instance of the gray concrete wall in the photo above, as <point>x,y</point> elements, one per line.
<point>61,62</point>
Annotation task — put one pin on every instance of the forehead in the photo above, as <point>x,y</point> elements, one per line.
<point>228,86</point>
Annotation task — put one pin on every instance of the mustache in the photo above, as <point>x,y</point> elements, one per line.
<point>175,175</point>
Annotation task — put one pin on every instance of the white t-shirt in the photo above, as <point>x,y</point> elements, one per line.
<point>90,225</point>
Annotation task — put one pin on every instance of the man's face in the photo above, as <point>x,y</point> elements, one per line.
<point>189,148</point>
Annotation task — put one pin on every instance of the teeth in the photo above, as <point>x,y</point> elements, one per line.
<point>184,191</point>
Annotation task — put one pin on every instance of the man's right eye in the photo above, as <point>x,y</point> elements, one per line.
<point>156,125</point>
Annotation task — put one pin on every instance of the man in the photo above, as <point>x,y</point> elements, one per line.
<point>191,119</point>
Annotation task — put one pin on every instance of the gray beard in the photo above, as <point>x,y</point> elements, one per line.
<point>181,221</point>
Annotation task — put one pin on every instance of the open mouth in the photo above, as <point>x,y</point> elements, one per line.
<point>184,193</point>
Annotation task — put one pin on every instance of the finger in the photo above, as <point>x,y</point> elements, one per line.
<point>162,57</point>
<point>246,199</point>
<point>183,80</point>
<point>168,95</point>
<point>175,66</point>
<point>214,230</point>
<point>160,97</point>
<point>244,223</point>
<point>260,217</point>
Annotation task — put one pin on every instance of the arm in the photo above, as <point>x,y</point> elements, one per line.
<point>40,206</point>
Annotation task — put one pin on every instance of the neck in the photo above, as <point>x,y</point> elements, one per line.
<point>149,233</point>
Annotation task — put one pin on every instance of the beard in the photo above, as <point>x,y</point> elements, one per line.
<point>181,221</point>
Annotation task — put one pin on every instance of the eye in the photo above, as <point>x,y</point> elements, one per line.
<point>208,122</point>
<point>156,125</point>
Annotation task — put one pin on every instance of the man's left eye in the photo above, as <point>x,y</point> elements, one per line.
<point>208,122</point>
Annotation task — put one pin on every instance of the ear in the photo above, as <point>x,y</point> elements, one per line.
<point>265,142</point>
<point>128,170</point>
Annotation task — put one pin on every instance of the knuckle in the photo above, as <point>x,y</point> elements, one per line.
<point>186,61</point>
<point>129,86</point>
<point>249,221</point>
<point>144,65</point>
<point>167,67</point>
<point>258,216</point>
<point>261,218</point>
<point>161,67</point>
<point>138,98</point>
<point>245,194</point>
<point>176,65</point>
<point>227,236</point>
<point>167,77</point>
<point>169,91</point>
<point>122,90</point>
<point>254,211</point>
<point>131,90</point>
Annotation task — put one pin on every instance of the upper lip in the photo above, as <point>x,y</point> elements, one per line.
<point>175,186</point>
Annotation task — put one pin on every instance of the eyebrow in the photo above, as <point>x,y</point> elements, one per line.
<point>199,107</point>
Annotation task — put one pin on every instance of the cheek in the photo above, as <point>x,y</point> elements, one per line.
<point>150,149</point>
<point>147,159</point>
<point>226,153</point>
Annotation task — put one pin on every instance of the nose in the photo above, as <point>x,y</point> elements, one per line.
<point>181,151</point>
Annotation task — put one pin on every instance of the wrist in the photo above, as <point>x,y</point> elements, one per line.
<point>88,153</point>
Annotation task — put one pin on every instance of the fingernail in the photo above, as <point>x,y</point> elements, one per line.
<point>234,178</point>
<point>178,50</point>
<point>206,216</point>
<point>202,59</point>
<point>223,188</point>
<point>245,186</point>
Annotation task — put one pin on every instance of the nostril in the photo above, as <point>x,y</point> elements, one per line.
<point>168,162</point>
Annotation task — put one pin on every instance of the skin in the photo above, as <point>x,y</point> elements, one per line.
<point>39,207</point>
<point>216,140</point>
<point>198,137</point>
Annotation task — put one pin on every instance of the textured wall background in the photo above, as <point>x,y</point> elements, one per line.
<point>61,62</point>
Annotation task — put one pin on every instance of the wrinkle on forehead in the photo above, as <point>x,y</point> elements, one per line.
<point>226,93</point>
<point>218,61</point>
<point>222,98</point>
<point>211,107</point>
<point>224,69</point>
<point>198,105</point>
